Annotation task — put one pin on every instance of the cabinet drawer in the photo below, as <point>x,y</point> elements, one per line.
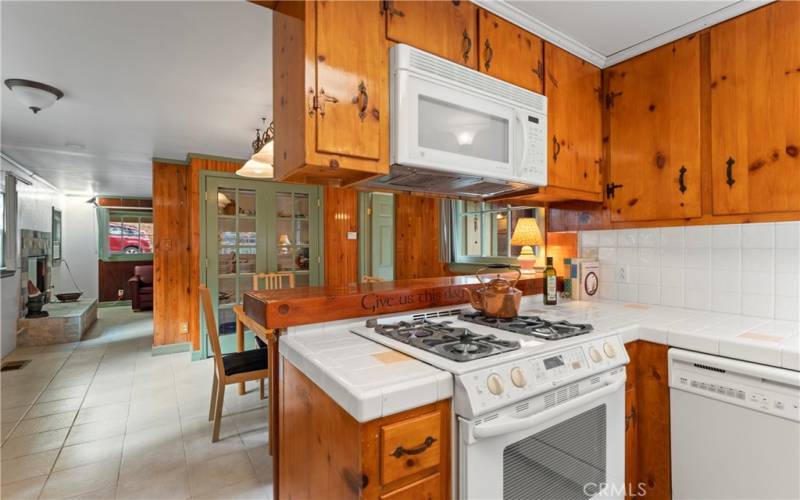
<point>410,446</point>
<point>429,488</point>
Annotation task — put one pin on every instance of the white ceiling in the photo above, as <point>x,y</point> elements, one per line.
<point>606,32</point>
<point>140,80</point>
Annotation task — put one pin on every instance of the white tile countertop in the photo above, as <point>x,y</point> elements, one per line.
<point>370,380</point>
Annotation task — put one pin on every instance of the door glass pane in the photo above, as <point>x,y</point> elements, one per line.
<point>558,461</point>
<point>227,290</point>
<point>456,129</point>
<point>227,321</point>
<point>247,232</point>
<point>283,205</point>
<point>245,284</point>
<point>300,205</point>
<point>227,231</point>
<point>283,232</point>
<point>247,260</point>
<point>286,261</point>
<point>301,232</point>
<point>301,258</point>
<point>226,202</point>
<point>226,262</point>
<point>247,202</point>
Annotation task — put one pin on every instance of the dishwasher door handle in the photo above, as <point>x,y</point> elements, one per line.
<point>514,424</point>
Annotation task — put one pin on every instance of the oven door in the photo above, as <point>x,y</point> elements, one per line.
<point>575,450</point>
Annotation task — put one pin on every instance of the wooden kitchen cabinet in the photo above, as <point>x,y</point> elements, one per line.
<point>755,111</point>
<point>510,53</point>
<point>331,95</point>
<point>648,470</point>
<point>653,101</point>
<point>447,29</point>
<point>326,453</point>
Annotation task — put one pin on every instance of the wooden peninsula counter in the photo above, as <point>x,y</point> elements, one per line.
<point>290,391</point>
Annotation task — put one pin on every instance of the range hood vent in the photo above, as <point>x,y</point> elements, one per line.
<point>412,179</point>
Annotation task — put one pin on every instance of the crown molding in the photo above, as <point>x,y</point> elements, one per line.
<point>512,14</point>
<point>699,24</point>
<point>542,30</point>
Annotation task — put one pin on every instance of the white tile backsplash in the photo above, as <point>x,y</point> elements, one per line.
<point>752,269</point>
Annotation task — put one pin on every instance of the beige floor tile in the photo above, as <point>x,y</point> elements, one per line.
<point>90,452</point>
<point>220,472</point>
<point>84,479</point>
<point>54,394</point>
<point>106,398</point>
<point>249,489</point>
<point>93,431</point>
<point>34,443</point>
<point>151,460</point>
<point>13,414</point>
<point>27,489</point>
<point>252,420</point>
<point>62,382</point>
<point>106,493</point>
<point>42,424</point>
<point>164,483</point>
<point>114,411</point>
<point>53,407</point>
<point>27,467</point>
<point>155,437</point>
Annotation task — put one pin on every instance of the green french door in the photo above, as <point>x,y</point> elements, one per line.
<point>251,227</point>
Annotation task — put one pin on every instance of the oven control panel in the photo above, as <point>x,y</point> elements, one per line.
<point>495,387</point>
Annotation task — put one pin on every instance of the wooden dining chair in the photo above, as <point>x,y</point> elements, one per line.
<point>371,279</point>
<point>233,368</point>
<point>273,281</point>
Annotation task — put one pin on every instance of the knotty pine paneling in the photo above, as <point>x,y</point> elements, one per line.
<point>114,276</point>
<point>341,255</point>
<point>171,284</point>
<point>417,238</point>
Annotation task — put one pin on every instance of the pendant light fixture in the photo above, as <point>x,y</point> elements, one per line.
<point>259,166</point>
<point>34,95</point>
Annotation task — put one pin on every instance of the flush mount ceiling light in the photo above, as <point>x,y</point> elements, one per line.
<point>259,166</point>
<point>34,95</point>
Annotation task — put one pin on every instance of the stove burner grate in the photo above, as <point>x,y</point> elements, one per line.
<point>533,326</point>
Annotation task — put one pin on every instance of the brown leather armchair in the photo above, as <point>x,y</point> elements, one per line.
<point>141,288</point>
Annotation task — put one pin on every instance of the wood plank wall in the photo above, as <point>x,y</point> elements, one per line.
<point>417,238</point>
<point>113,276</point>
<point>171,253</point>
<point>341,254</point>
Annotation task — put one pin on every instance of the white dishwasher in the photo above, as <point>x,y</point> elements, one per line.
<point>735,428</point>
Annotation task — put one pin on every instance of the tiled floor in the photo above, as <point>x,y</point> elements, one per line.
<point>104,418</point>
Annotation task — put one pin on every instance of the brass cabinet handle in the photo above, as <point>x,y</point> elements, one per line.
<point>312,105</point>
<point>489,54</point>
<point>467,43</point>
<point>323,98</point>
<point>556,148</point>
<point>729,171</point>
<point>400,451</point>
<point>681,179</point>
<point>539,71</point>
<point>362,98</point>
<point>630,417</point>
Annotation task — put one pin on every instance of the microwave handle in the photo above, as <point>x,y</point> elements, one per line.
<point>515,424</point>
<point>520,144</point>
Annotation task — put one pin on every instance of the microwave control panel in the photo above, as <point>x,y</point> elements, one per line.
<point>534,159</point>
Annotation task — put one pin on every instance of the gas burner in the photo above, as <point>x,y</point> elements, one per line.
<point>456,344</point>
<point>533,326</point>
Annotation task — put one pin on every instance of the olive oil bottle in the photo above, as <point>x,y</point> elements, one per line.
<point>550,282</point>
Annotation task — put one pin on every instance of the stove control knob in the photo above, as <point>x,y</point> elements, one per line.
<point>518,377</point>
<point>595,355</point>
<point>609,349</point>
<point>495,384</point>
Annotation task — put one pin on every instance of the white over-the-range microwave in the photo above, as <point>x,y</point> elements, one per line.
<point>458,132</point>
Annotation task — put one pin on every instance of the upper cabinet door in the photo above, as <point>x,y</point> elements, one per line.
<point>574,117</point>
<point>350,80</point>
<point>510,53</point>
<point>755,111</point>
<point>654,103</point>
<point>445,28</point>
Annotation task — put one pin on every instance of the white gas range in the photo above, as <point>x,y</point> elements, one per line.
<point>535,418</point>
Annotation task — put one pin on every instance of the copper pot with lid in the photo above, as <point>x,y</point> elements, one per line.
<point>499,297</point>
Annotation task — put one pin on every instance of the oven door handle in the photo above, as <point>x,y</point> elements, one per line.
<point>515,424</point>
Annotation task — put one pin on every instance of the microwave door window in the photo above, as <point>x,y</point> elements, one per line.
<point>444,126</point>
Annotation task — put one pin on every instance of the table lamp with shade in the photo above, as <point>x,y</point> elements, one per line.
<point>527,235</point>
